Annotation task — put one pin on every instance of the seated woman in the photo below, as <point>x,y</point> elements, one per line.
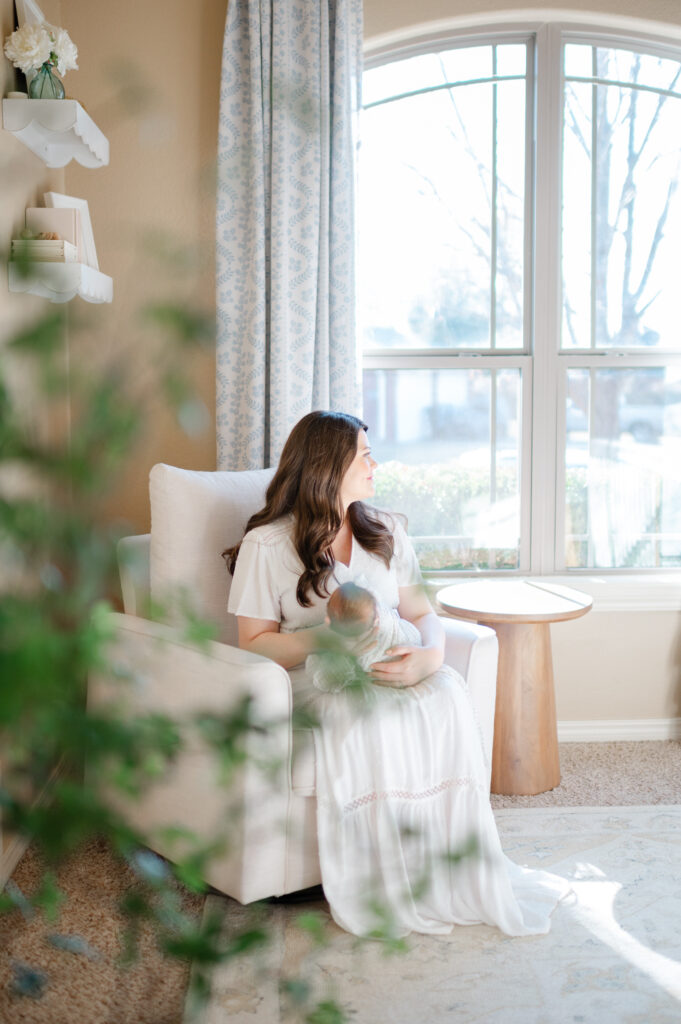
<point>401,781</point>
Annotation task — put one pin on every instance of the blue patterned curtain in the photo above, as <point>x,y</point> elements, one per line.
<point>289,100</point>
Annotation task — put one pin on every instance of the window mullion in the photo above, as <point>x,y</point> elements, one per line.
<point>594,201</point>
<point>547,296</point>
<point>493,228</point>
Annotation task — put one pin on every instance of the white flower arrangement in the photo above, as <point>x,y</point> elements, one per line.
<point>31,46</point>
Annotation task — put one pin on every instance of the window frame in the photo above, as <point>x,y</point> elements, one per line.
<point>543,364</point>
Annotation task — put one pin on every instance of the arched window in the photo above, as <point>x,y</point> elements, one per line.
<point>519,231</point>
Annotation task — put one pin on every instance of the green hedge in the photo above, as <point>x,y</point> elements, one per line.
<point>437,498</point>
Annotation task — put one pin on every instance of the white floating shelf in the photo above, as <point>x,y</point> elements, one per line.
<point>60,282</point>
<point>57,131</point>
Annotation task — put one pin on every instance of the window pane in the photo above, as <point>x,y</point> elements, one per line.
<point>399,77</point>
<point>441,212</point>
<point>621,202</point>
<point>466,63</point>
<point>511,59</point>
<point>623,468</point>
<point>577,226</point>
<point>578,60</point>
<point>509,226</point>
<point>447,444</point>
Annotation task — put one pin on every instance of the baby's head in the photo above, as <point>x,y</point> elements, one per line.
<point>351,610</point>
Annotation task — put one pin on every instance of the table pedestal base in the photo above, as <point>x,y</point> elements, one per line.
<point>525,758</point>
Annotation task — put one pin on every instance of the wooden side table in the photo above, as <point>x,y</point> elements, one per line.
<point>525,752</point>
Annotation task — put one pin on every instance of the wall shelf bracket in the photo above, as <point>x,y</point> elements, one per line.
<point>60,282</point>
<point>57,131</point>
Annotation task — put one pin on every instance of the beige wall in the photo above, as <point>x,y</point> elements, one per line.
<point>382,16</point>
<point>618,665</point>
<point>161,180</point>
<point>149,76</point>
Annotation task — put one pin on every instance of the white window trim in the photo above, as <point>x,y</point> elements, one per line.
<point>612,590</point>
<point>421,36</point>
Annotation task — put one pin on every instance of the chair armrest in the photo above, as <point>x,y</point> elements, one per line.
<point>156,670</point>
<point>173,676</point>
<point>473,651</point>
<point>460,642</point>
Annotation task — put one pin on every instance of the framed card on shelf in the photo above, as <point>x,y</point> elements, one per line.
<point>87,238</point>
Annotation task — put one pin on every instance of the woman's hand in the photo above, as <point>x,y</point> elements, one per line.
<point>411,665</point>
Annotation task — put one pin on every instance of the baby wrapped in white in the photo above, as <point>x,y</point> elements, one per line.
<point>365,629</point>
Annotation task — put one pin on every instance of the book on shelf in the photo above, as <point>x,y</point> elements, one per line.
<point>44,250</point>
<point>86,245</point>
<point>64,222</point>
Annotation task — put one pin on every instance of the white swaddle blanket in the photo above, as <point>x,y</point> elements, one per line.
<point>334,670</point>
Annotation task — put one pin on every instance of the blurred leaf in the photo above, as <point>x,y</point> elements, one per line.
<point>49,897</point>
<point>470,848</point>
<point>254,938</point>
<point>191,870</point>
<point>315,926</point>
<point>296,989</point>
<point>228,735</point>
<point>304,718</point>
<point>150,867</point>
<point>17,899</point>
<point>27,981</point>
<point>74,944</point>
<point>202,943</point>
<point>198,632</point>
<point>327,1012</point>
<point>189,326</point>
<point>42,338</point>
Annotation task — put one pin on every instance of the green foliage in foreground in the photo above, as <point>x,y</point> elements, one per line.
<point>59,572</point>
<point>59,575</point>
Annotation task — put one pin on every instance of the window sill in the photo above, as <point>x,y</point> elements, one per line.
<point>646,592</point>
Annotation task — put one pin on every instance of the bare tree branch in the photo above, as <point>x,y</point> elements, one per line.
<point>574,124</point>
<point>657,238</point>
<point>482,169</point>
<point>569,316</point>
<point>660,103</point>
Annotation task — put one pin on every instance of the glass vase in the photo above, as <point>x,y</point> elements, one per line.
<point>45,85</point>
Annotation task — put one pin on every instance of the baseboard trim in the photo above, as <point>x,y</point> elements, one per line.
<point>609,730</point>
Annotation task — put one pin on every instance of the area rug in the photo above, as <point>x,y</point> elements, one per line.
<point>613,955</point>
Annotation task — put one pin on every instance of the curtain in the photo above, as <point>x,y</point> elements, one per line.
<point>289,100</point>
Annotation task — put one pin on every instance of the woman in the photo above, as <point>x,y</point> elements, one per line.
<point>401,784</point>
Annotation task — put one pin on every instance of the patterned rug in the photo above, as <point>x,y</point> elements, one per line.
<point>613,955</point>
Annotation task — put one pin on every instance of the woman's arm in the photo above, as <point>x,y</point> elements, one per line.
<point>263,636</point>
<point>415,663</point>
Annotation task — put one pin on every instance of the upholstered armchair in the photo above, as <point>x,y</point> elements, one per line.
<point>270,822</point>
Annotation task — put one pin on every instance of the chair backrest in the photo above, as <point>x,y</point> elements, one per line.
<point>194,516</point>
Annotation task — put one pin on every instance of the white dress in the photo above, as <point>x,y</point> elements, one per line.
<point>401,780</point>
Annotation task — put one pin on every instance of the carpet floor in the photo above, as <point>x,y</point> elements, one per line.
<point>613,955</point>
<point>610,774</point>
<point>94,989</point>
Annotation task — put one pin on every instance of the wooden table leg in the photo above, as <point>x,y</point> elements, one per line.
<point>525,753</point>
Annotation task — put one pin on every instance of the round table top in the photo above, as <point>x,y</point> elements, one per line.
<point>513,601</point>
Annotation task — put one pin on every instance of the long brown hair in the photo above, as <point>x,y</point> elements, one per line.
<point>307,485</point>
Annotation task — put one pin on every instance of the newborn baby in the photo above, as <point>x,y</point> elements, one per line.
<point>365,630</point>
